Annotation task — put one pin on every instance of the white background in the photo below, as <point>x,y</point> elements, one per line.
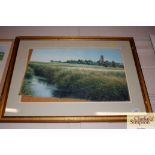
<point>80,12</point>
<point>77,12</point>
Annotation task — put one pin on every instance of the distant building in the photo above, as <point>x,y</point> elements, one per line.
<point>101,61</point>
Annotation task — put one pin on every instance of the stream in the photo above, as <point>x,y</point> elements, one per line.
<point>41,87</point>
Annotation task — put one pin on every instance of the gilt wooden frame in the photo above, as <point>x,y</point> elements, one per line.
<point>105,118</point>
<point>6,42</point>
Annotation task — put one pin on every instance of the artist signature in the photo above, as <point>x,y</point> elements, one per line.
<point>142,119</point>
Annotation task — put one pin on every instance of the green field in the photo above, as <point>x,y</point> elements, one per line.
<point>79,81</point>
<point>1,55</point>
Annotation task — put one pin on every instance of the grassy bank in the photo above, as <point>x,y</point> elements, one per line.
<point>96,83</point>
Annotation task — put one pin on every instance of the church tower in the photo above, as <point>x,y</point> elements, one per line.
<point>101,61</point>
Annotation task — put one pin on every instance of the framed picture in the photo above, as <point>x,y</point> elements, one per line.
<point>5,54</point>
<point>74,79</point>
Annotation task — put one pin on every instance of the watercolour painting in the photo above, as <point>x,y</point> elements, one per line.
<point>75,74</point>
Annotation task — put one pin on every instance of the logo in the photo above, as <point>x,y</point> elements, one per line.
<point>141,120</point>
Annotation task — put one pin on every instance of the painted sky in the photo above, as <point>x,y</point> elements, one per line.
<point>64,54</point>
<point>2,48</point>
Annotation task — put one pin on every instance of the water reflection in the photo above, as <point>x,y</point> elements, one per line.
<point>42,88</point>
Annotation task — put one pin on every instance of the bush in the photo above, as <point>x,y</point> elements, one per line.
<point>26,88</point>
<point>29,73</point>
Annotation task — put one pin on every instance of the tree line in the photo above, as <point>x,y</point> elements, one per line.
<point>100,62</point>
